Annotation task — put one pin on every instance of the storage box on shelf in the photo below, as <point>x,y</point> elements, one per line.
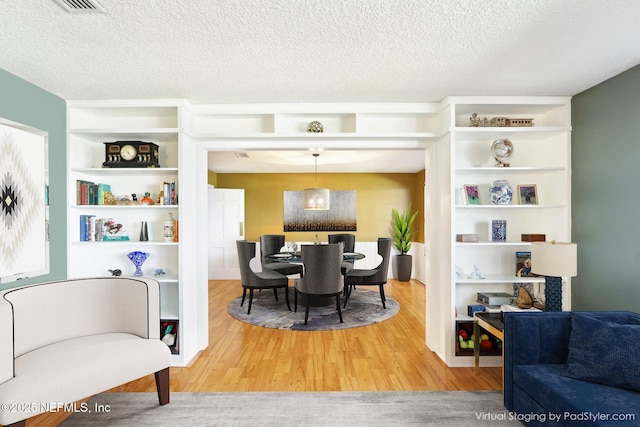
<point>541,157</point>
<point>90,125</point>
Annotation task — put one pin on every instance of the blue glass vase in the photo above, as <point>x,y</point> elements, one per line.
<point>138,258</point>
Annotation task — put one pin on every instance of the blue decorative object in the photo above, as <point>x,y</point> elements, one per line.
<point>500,192</point>
<point>499,230</point>
<point>138,258</point>
<point>552,293</point>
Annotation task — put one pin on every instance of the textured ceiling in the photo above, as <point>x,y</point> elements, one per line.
<point>247,51</point>
<point>256,51</point>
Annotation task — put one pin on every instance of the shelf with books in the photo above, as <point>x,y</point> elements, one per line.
<point>539,160</point>
<point>91,124</point>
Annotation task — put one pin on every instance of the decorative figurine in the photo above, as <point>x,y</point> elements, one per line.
<point>116,272</point>
<point>475,274</point>
<point>158,272</point>
<point>134,197</point>
<point>147,200</point>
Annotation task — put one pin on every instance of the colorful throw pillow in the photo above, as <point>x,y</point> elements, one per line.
<point>604,352</point>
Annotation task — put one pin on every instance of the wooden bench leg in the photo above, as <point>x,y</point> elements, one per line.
<point>162,385</point>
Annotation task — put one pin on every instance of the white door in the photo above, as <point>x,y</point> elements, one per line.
<point>226,225</point>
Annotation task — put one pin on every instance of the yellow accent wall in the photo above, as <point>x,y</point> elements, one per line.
<point>376,195</point>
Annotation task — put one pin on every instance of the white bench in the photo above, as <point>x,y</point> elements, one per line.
<point>64,341</point>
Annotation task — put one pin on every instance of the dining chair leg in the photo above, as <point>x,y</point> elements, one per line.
<point>244,294</point>
<point>306,310</point>
<point>286,297</point>
<point>338,307</point>
<point>295,300</point>
<point>382,297</point>
<point>275,293</point>
<point>346,299</point>
<point>250,300</point>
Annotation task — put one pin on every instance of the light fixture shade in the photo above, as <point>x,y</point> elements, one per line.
<point>554,259</point>
<point>315,199</point>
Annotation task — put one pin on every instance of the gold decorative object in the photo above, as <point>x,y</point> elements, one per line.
<point>524,299</point>
<point>109,198</point>
<point>502,150</point>
<point>315,127</point>
<point>498,122</point>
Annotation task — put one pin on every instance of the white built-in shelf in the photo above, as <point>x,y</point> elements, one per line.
<point>489,243</point>
<point>515,206</point>
<point>126,171</point>
<point>124,243</point>
<point>141,206</point>
<point>501,278</point>
<point>510,169</point>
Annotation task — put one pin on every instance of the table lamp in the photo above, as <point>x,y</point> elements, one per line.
<point>554,260</point>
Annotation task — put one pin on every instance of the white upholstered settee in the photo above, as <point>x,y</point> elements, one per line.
<point>64,341</point>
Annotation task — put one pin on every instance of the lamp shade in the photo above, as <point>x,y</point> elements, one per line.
<point>554,259</point>
<point>315,199</point>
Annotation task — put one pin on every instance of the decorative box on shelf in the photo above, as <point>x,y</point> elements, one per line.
<point>533,237</point>
<point>473,308</point>
<point>474,238</point>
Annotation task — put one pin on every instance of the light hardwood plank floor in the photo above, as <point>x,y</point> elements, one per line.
<point>389,356</point>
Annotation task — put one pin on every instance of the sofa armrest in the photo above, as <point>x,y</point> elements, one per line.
<point>6,340</point>
<point>533,338</point>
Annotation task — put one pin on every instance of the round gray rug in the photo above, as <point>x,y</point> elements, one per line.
<point>364,308</point>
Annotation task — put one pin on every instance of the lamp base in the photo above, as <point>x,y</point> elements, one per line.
<point>552,293</point>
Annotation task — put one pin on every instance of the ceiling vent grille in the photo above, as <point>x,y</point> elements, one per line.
<point>81,6</point>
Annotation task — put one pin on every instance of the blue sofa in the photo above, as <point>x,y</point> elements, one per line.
<point>572,368</point>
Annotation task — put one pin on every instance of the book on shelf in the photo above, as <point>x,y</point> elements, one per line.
<point>169,193</point>
<point>94,229</point>
<point>90,193</point>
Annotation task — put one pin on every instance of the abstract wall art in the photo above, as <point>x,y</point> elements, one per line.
<point>23,181</point>
<point>341,216</point>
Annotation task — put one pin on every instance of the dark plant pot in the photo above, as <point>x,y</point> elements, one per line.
<point>403,264</point>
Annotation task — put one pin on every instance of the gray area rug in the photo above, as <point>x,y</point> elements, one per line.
<point>364,308</point>
<point>370,409</point>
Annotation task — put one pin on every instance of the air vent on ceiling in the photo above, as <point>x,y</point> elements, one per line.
<point>81,6</point>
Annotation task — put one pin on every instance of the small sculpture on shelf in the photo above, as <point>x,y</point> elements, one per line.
<point>147,200</point>
<point>475,274</point>
<point>115,272</point>
<point>109,198</point>
<point>158,272</point>
<point>502,150</point>
<point>134,198</point>
<point>315,127</point>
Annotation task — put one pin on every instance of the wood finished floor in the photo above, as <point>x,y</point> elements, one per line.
<point>389,356</point>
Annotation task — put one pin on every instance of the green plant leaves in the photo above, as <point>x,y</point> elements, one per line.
<point>402,229</point>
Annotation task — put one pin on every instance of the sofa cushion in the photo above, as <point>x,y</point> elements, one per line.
<point>574,399</point>
<point>604,352</point>
<point>70,370</point>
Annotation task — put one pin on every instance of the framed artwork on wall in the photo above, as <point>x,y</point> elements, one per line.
<point>340,217</point>
<point>23,200</point>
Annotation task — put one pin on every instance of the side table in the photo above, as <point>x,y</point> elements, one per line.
<point>492,323</point>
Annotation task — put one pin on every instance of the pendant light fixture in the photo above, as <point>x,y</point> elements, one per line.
<point>315,199</point>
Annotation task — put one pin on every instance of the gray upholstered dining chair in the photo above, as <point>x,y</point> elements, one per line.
<point>371,277</point>
<point>271,244</point>
<point>322,276</point>
<point>258,280</point>
<point>349,242</point>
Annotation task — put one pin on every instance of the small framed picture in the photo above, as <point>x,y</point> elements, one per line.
<point>528,194</point>
<point>472,194</point>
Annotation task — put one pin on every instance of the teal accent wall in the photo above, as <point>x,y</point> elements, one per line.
<point>23,102</point>
<point>606,197</point>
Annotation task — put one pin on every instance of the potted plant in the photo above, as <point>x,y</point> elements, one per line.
<point>402,232</point>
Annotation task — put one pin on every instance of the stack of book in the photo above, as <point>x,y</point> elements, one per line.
<point>94,229</point>
<point>90,193</point>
